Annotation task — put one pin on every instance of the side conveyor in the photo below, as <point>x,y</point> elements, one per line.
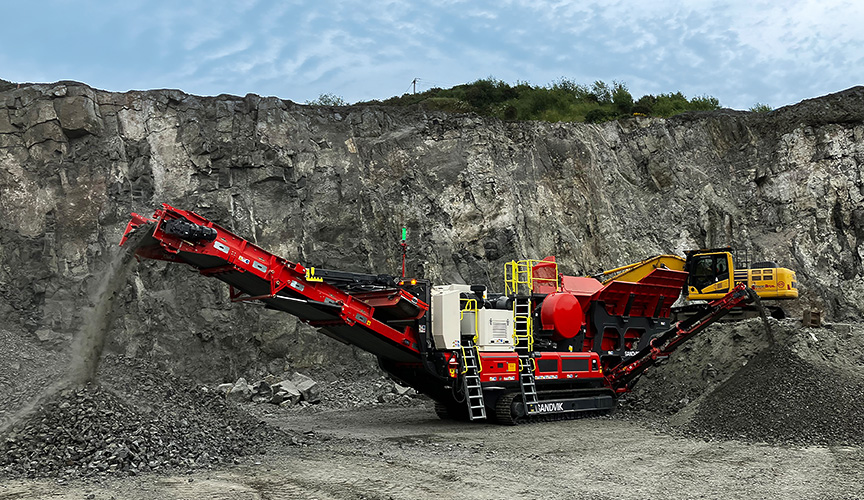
<point>372,318</point>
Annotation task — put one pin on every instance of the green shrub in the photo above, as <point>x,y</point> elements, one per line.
<point>562,100</point>
<point>622,99</point>
<point>599,115</point>
<point>328,100</point>
<point>704,103</point>
<point>761,108</point>
<point>448,104</point>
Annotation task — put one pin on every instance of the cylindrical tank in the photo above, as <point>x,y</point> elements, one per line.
<point>562,314</point>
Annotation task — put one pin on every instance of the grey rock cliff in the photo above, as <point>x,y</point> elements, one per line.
<point>331,187</point>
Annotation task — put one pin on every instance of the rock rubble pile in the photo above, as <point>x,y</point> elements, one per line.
<point>286,392</point>
<point>301,393</point>
<point>369,390</point>
<point>26,368</point>
<point>778,397</point>
<point>134,421</point>
<point>735,382</point>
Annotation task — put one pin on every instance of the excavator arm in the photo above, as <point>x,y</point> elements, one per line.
<point>638,270</point>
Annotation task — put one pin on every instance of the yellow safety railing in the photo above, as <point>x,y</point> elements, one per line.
<point>521,272</point>
<point>470,305</point>
<point>533,363</point>
<point>526,335</point>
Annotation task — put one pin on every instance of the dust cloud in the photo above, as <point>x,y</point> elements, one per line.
<point>90,341</point>
<point>87,347</point>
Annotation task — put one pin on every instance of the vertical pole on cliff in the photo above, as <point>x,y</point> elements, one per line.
<point>414,82</point>
<point>404,248</point>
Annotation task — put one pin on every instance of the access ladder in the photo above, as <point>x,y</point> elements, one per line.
<point>471,381</point>
<point>524,345</point>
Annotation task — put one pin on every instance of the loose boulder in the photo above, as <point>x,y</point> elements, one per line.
<point>78,116</point>
<point>262,392</point>
<point>308,388</point>
<point>285,393</point>
<point>241,391</point>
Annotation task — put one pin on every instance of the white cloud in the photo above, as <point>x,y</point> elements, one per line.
<point>202,34</point>
<point>227,49</point>
<point>805,28</point>
<point>263,60</point>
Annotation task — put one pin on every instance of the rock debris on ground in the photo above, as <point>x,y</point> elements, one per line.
<point>730,383</point>
<point>134,420</point>
<point>778,397</point>
<point>26,369</point>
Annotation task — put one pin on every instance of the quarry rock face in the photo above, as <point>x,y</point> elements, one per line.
<point>331,187</point>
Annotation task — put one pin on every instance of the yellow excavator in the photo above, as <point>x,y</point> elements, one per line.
<point>712,273</point>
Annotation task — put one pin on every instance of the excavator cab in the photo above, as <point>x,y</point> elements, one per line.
<point>711,275</point>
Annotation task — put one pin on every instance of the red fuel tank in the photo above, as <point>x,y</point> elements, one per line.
<point>562,313</point>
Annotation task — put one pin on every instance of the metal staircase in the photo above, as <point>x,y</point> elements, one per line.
<point>471,381</point>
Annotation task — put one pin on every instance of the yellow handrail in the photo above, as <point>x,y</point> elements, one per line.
<point>470,305</point>
<point>528,329</point>
<point>521,272</point>
<point>532,362</point>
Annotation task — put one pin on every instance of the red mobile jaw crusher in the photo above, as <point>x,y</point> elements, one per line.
<point>550,345</point>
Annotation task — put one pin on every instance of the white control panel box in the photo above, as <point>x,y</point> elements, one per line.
<point>494,327</point>
<point>446,310</point>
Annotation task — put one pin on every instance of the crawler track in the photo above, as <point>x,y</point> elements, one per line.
<point>504,413</point>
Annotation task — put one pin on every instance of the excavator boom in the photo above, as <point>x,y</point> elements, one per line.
<point>712,274</point>
<point>638,270</point>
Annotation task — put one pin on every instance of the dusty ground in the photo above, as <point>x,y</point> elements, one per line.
<point>406,452</point>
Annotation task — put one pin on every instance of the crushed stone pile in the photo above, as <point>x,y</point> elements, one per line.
<point>778,397</point>
<point>26,369</point>
<point>344,392</point>
<point>696,368</point>
<point>135,419</point>
<point>800,386</point>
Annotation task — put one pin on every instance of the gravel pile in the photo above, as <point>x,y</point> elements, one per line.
<point>135,420</point>
<point>733,382</point>
<point>696,368</point>
<point>26,369</point>
<point>778,397</point>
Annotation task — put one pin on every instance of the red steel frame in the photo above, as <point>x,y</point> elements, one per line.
<point>665,344</point>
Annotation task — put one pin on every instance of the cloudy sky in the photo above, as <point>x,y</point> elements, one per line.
<point>742,52</point>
